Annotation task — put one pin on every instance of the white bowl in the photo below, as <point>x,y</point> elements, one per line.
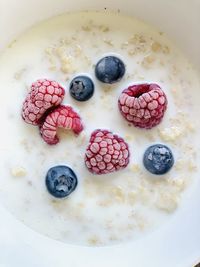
<point>175,244</point>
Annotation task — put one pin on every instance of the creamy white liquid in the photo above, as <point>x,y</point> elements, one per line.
<point>104,209</point>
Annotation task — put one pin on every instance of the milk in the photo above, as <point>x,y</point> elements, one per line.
<point>107,209</point>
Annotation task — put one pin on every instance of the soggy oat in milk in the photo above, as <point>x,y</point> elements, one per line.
<point>104,209</point>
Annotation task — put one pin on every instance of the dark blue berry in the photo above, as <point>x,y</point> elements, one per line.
<point>158,159</point>
<point>61,181</point>
<point>81,88</point>
<point>110,69</point>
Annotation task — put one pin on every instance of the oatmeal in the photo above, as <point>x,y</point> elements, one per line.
<point>110,208</point>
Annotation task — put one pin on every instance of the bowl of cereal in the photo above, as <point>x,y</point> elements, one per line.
<point>103,163</point>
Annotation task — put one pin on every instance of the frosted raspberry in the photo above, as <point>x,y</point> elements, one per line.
<point>106,152</point>
<point>61,117</point>
<point>143,105</point>
<point>44,95</point>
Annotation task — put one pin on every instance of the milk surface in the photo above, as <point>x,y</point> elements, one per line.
<point>107,209</point>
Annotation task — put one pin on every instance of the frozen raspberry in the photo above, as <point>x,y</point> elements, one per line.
<point>44,95</point>
<point>143,105</point>
<point>61,117</point>
<point>106,153</point>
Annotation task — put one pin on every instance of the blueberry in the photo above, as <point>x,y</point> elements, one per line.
<point>158,159</point>
<point>61,181</point>
<point>81,88</point>
<point>110,69</point>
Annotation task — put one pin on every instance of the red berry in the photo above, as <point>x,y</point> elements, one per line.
<point>143,105</point>
<point>60,117</point>
<point>44,95</point>
<point>106,152</point>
